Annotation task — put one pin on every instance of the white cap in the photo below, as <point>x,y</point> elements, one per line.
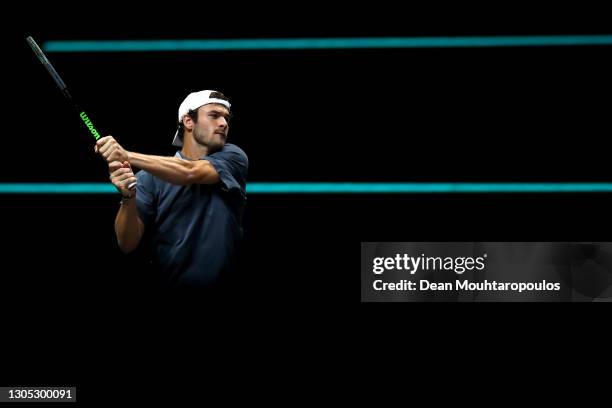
<point>192,102</point>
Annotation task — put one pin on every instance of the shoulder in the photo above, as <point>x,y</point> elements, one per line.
<point>231,151</point>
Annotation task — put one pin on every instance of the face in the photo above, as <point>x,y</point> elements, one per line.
<point>212,126</point>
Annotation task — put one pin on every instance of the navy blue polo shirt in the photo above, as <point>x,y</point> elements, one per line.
<point>193,231</point>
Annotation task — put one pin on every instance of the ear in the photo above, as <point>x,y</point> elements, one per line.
<point>188,123</point>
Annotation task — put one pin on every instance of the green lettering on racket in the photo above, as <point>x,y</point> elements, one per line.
<point>89,125</point>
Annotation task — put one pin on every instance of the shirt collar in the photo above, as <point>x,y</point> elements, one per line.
<point>179,154</point>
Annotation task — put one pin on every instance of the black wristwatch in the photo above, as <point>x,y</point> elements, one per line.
<point>126,198</point>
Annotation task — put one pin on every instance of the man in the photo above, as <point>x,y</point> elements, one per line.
<point>188,207</point>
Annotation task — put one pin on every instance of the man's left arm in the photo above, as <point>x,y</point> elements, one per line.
<point>170,169</point>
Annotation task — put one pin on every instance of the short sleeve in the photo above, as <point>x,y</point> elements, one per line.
<point>145,197</point>
<point>232,165</point>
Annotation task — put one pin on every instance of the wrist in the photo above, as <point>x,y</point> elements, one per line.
<point>127,199</point>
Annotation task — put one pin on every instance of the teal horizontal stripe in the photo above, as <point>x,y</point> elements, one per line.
<point>332,188</point>
<point>383,188</point>
<point>57,188</point>
<point>324,43</point>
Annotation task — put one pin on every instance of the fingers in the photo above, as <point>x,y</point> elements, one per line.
<point>118,154</point>
<point>132,185</point>
<point>129,184</point>
<point>114,153</point>
<point>112,166</point>
<point>103,141</point>
<point>124,180</point>
<point>108,148</point>
<point>121,174</point>
<point>106,145</point>
<point>124,185</point>
<point>117,165</point>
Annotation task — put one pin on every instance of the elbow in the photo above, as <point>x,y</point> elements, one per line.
<point>128,234</point>
<point>190,177</point>
<point>128,244</point>
<point>126,248</point>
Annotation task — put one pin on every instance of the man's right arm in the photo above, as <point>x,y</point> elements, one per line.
<point>129,228</point>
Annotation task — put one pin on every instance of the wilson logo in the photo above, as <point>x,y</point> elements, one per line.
<point>89,125</point>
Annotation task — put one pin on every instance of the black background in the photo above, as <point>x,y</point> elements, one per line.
<point>491,114</point>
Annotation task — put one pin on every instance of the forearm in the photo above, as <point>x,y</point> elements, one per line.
<point>127,226</point>
<point>170,169</point>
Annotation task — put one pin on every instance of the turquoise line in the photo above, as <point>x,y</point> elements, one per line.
<point>333,188</point>
<point>384,188</point>
<point>324,43</point>
<point>57,188</point>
